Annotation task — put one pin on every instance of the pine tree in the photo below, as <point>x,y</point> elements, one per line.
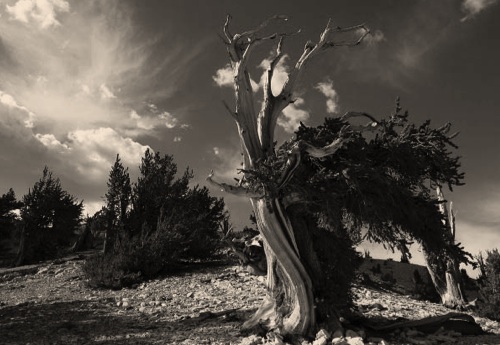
<point>118,200</point>
<point>157,191</point>
<point>49,217</point>
<point>8,204</point>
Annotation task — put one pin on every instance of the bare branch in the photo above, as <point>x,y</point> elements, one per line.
<point>234,190</point>
<point>370,126</point>
<point>263,25</point>
<point>320,152</point>
<point>271,112</point>
<point>295,156</point>
<point>350,114</point>
<point>226,29</point>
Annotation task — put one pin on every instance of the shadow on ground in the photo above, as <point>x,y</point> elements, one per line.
<point>96,322</point>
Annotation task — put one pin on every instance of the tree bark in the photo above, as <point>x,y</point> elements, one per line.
<point>291,261</point>
<point>445,276</point>
<point>288,282</point>
<point>85,240</point>
<point>21,252</point>
<point>445,272</point>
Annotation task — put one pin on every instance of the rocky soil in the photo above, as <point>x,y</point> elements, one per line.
<point>51,304</point>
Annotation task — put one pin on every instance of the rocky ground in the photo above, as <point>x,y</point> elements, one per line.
<point>52,304</point>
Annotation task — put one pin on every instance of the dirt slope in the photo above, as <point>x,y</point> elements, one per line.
<point>51,304</point>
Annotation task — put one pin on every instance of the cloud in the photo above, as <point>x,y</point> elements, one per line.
<point>292,116</point>
<point>473,7</point>
<point>225,77</point>
<point>43,12</point>
<point>50,141</point>
<point>88,154</point>
<point>169,120</point>
<point>10,102</point>
<point>326,88</point>
<point>148,123</point>
<point>374,37</point>
<point>280,74</point>
<point>105,92</point>
<point>216,151</point>
<point>177,139</point>
<point>95,71</point>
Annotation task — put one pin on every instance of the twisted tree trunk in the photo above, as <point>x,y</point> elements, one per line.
<point>445,272</point>
<point>291,259</point>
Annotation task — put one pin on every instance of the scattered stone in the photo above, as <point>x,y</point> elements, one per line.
<point>355,341</point>
<point>339,341</point>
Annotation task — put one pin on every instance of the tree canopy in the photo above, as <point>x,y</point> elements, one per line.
<point>49,217</point>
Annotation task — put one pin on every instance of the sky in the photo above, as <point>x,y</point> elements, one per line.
<point>82,81</point>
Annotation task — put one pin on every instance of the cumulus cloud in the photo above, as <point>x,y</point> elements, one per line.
<point>326,88</point>
<point>279,76</point>
<point>51,142</point>
<point>169,120</point>
<point>225,77</point>
<point>90,153</point>
<point>10,102</point>
<point>151,122</point>
<point>473,7</point>
<point>42,12</point>
<point>292,116</point>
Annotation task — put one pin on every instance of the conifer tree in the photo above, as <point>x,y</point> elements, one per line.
<point>118,200</point>
<point>49,217</point>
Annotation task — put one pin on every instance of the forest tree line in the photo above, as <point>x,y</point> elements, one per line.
<point>151,223</point>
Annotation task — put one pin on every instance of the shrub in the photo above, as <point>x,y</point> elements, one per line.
<point>489,285</point>
<point>135,259</point>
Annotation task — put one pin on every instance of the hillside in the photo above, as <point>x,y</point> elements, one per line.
<point>51,304</point>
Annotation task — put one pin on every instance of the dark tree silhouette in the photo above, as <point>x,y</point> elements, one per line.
<point>118,200</point>
<point>8,204</point>
<point>49,217</point>
<point>156,191</point>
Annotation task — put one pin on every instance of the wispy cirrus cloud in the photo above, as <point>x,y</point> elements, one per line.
<point>474,7</point>
<point>81,82</point>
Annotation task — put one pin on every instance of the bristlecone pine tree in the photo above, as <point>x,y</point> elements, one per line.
<point>312,195</point>
<point>445,270</point>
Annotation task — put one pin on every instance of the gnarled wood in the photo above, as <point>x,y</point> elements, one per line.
<point>290,305</point>
<point>445,272</point>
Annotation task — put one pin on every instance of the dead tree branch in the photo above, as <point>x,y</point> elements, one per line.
<point>234,190</point>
